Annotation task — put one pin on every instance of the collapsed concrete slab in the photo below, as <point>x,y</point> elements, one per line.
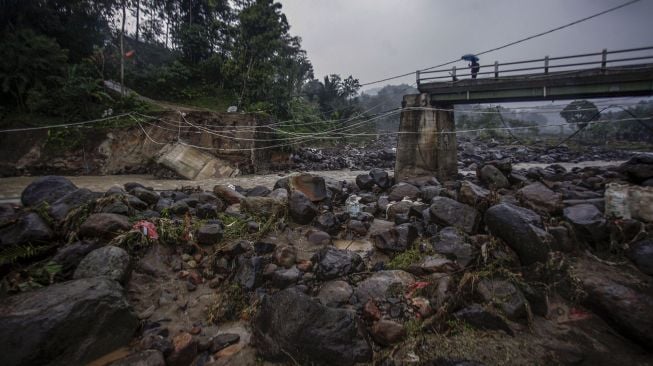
<point>194,164</point>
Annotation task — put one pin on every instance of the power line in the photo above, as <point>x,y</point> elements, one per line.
<point>514,42</point>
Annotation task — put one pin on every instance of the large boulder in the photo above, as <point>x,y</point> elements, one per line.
<point>492,177</point>
<point>641,253</point>
<point>540,198</point>
<point>588,222</point>
<point>29,228</point>
<point>395,239</point>
<point>110,261</point>
<point>521,229</point>
<point>146,195</point>
<point>312,186</point>
<point>104,226</point>
<point>292,324</point>
<point>227,194</point>
<point>381,178</point>
<point>46,189</point>
<point>70,323</point>
<point>639,168</point>
<point>365,182</point>
<point>402,190</point>
<point>448,212</point>
<point>61,207</point>
<point>473,195</point>
<point>301,209</point>
<point>332,263</point>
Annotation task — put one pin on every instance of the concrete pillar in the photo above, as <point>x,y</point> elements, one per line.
<point>422,148</point>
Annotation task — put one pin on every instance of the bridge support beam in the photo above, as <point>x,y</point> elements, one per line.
<point>422,147</point>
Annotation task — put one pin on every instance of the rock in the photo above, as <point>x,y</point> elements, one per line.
<point>312,186</point>
<point>284,277</point>
<point>209,234</point>
<point>318,237</point>
<point>473,195</point>
<point>492,177</point>
<point>377,285</point>
<point>638,168</point>
<point>335,293</point>
<point>504,295</point>
<point>280,194</point>
<point>452,243</point>
<point>263,206</point>
<point>365,182</point>
<point>396,239</point>
<point>163,204</point>
<point>46,189</point>
<point>482,318</point>
<point>448,212</point>
<point>641,253</point>
<point>432,264</point>
<point>207,211</point>
<point>331,263</point>
<point>227,194</point>
<point>222,341</point>
<point>145,195</point>
<point>184,350</point>
<point>540,198</point>
<point>328,222</point>
<point>179,208</point>
<point>357,227</point>
<point>150,357</point>
<point>104,226</point>
<point>285,256</point>
<point>397,209</point>
<point>111,262</point>
<point>387,332</point>
<point>258,191</point>
<point>30,228</point>
<point>302,210</point>
<point>132,185</point>
<point>321,334</point>
<point>61,207</point>
<point>69,323</point>
<point>429,192</point>
<point>588,222</point>
<point>403,190</point>
<point>521,229</point>
<point>381,178</point>
<point>248,273</point>
<point>71,255</point>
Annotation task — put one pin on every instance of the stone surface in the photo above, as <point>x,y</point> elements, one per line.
<point>482,318</point>
<point>330,263</point>
<point>376,286</point>
<point>184,350</point>
<point>448,212</point>
<point>639,168</point>
<point>312,186</point>
<point>540,198</point>
<point>46,189</point>
<point>227,194</point>
<point>194,164</point>
<point>641,253</point>
<point>69,323</point>
<point>61,207</point>
<point>521,229</point>
<point>380,178</point>
<point>111,262</point>
<point>492,177</point>
<point>505,295</point>
<point>396,239</point>
<point>263,206</point>
<point>335,293</point>
<point>104,226</point>
<point>71,255</point>
<point>302,210</point>
<point>403,190</point>
<point>30,228</point>
<point>209,234</point>
<point>588,222</point>
<point>473,195</point>
<point>148,196</point>
<point>450,242</point>
<point>291,323</point>
<point>365,182</point>
<point>387,332</point>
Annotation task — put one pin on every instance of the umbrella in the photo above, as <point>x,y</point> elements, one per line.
<point>469,57</point>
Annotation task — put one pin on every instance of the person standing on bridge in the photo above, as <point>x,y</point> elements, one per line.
<point>474,65</point>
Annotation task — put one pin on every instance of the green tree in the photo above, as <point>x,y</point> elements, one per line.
<point>579,112</point>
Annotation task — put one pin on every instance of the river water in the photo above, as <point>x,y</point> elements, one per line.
<point>10,188</point>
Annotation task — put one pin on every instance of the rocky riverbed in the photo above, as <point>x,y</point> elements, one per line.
<point>506,266</point>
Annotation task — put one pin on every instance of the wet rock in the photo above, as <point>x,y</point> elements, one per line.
<point>207,211</point>
<point>69,323</point>
<point>104,225</point>
<point>222,341</point>
<point>504,295</point>
<point>450,242</point>
<point>331,263</point>
<point>184,350</point>
<point>302,210</point>
<point>249,270</point>
<point>280,194</point>
<point>381,178</point>
<point>357,227</point>
<point>61,207</point>
<point>365,182</point>
<point>146,195</point>
<point>179,208</point>
<point>639,168</point>
<point>377,285</point>
<point>110,261</point>
<point>321,334</point>
<point>258,191</point>
<point>163,205</point>
<point>432,264</point>
<point>71,255</point>
<point>387,332</point>
<point>403,190</point>
<point>318,237</point>
<point>117,207</point>
<point>227,194</point>
<point>540,198</point>
<point>428,192</point>
<point>136,202</point>
<point>328,222</point>
<point>284,277</point>
<point>482,318</point>
<point>312,186</point>
<point>521,229</point>
<point>588,222</point>
<point>30,228</point>
<point>562,240</point>
<point>46,189</point>
<point>263,206</point>
<point>209,234</point>
<point>396,239</point>
<point>285,256</point>
<point>398,208</point>
<point>492,177</point>
<point>335,293</point>
<point>473,195</point>
<point>448,212</point>
<point>148,357</point>
<point>132,185</point>
<point>641,253</point>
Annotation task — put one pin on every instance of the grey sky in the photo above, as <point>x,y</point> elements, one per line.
<point>374,39</point>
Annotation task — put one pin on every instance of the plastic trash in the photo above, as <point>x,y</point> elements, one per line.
<point>627,201</point>
<point>146,228</point>
<point>352,204</point>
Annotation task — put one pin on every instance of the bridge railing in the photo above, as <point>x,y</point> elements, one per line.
<point>586,61</point>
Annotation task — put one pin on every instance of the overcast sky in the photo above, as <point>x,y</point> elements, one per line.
<point>374,39</point>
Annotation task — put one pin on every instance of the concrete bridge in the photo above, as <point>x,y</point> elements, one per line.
<point>427,142</point>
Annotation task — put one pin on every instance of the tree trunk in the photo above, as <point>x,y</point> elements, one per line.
<point>122,50</point>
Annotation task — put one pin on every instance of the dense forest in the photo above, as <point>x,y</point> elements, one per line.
<point>200,53</point>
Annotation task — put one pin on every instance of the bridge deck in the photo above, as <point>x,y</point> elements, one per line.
<point>633,80</point>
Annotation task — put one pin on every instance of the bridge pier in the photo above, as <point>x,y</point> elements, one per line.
<point>422,148</point>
